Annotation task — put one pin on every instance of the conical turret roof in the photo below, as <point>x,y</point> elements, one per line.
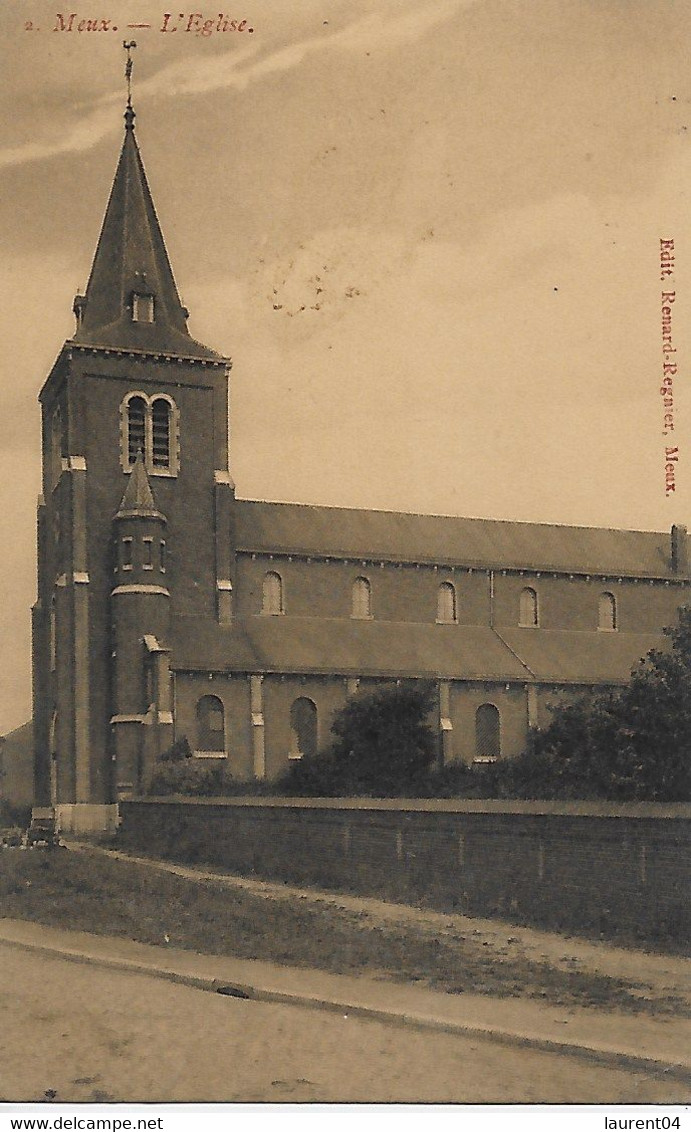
<point>138,498</point>
<point>130,268</point>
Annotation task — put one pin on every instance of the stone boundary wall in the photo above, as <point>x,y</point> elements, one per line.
<point>590,867</point>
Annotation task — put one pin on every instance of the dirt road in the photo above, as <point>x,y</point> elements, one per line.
<point>94,1035</point>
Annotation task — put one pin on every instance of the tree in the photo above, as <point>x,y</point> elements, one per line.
<point>653,744</point>
<point>383,744</point>
<point>630,744</point>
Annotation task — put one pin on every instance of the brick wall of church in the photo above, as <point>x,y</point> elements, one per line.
<point>234,694</point>
<point>409,593</point>
<point>324,589</point>
<point>330,694</point>
<point>566,603</point>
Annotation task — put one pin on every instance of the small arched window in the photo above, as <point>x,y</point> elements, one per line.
<point>53,635</point>
<point>136,428</point>
<point>361,599</point>
<point>607,612</point>
<point>56,445</point>
<point>487,734</point>
<point>528,609</point>
<point>272,593</point>
<point>211,730</point>
<point>303,728</point>
<point>446,603</point>
<point>160,432</point>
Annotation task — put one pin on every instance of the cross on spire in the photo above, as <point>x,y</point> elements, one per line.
<point>129,113</point>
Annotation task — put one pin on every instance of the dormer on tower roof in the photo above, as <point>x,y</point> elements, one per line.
<point>131,300</point>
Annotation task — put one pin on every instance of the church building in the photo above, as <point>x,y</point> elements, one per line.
<point>167,607</point>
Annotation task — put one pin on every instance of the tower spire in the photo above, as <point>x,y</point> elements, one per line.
<point>129,112</point>
<point>131,299</point>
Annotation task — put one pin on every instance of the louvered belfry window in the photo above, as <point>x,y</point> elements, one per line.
<point>160,433</point>
<point>136,428</point>
<point>150,425</point>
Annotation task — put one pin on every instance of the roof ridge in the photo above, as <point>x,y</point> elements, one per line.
<point>451,518</point>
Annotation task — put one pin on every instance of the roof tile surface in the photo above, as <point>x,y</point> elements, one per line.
<point>294,527</point>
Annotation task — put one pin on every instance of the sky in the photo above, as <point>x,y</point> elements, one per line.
<point>426,231</point>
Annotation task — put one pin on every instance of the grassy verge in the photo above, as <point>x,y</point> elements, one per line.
<point>89,892</point>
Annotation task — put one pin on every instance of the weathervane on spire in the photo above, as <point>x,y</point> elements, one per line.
<point>128,68</point>
<point>129,113</point>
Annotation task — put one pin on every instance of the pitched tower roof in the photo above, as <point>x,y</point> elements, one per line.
<point>131,299</point>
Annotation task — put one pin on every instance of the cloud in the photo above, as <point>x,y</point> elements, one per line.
<point>238,71</point>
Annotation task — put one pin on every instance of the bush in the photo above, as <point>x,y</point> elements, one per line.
<point>383,745</point>
<point>568,760</point>
<point>14,815</point>
<point>191,777</point>
<point>459,780</point>
<point>179,751</point>
<point>316,777</point>
<point>633,744</point>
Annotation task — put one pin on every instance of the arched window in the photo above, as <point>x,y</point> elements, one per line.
<point>303,728</point>
<point>56,445</point>
<point>136,428</point>
<point>160,432</point>
<point>446,603</point>
<point>528,610</point>
<point>211,730</point>
<point>487,733</point>
<point>150,425</point>
<point>53,753</point>
<point>361,599</point>
<point>53,636</point>
<point>607,612</point>
<point>272,593</point>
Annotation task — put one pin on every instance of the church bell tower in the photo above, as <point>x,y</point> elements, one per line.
<point>134,516</point>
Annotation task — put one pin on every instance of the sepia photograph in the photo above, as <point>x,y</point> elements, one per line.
<point>345,680</point>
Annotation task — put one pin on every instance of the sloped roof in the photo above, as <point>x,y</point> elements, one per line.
<point>17,761</point>
<point>131,257</point>
<point>387,648</point>
<point>360,648</point>
<point>340,531</point>
<point>561,656</point>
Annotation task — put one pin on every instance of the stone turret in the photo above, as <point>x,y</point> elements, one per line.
<point>142,720</point>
